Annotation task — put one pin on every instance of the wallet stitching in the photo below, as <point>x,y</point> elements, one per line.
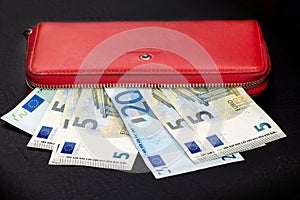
<point>263,48</point>
<point>263,64</point>
<point>70,72</point>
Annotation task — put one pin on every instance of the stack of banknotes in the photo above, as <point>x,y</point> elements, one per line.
<point>174,130</point>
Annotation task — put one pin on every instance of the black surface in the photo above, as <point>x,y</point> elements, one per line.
<point>269,172</point>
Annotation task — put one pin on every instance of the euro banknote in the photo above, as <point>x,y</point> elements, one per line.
<point>28,113</point>
<point>44,134</point>
<point>70,105</point>
<point>94,140</point>
<point>159,150</point>
<point>175,130</point>
<point>187,138</point>
<point>226,119</point>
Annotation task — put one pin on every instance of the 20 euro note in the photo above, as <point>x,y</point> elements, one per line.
<point>45,132</point>
<point>28,113</point>
<point>227,119</point>
<point>159,150</point>
<point>93,140</point>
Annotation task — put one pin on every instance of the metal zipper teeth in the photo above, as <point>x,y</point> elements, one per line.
<point>247,85</point>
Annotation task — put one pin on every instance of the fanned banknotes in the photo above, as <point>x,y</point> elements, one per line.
<point>186,137</point>
<point>160,151</point>
<point>175,130</point>
<point>70,105</point>
<point>94,139</point>
<point>44,134</point>
<point>226,119</point>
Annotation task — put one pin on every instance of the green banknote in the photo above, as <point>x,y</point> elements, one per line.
<point>28,113</point>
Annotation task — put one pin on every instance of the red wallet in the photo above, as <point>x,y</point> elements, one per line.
<point>208,53</point>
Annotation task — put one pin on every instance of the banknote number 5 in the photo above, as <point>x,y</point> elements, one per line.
<point>262,126</point>
<point>178,123</point>
<point>85,122</point>
<point>199,116</point>
<point>116,155</point>
<point>56,108</point>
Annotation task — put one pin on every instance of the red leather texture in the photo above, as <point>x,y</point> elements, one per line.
<point>189,53</point>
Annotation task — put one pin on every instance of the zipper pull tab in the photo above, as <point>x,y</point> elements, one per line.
<point>27,32</point>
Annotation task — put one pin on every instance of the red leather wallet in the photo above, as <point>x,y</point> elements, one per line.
<point>215,53</point>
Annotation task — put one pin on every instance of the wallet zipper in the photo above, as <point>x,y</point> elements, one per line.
<point>251,85</point>
<point>245,85</point>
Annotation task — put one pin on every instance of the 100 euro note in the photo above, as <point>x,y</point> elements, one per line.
<point>227,119</point>
<point>159,150</point>
<point>28,113</point>
<point>94,140</point>
<point>45,132</point>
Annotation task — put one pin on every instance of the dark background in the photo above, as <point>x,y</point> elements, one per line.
<point>269,172</point>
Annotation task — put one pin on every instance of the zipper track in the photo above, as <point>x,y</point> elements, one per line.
<point>245,85</point>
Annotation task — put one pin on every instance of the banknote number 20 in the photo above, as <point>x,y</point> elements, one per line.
<point>131,101</point>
